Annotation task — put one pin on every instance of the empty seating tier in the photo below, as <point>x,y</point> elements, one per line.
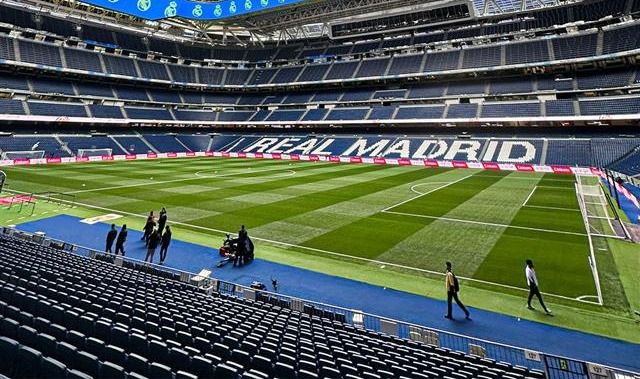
<point>66,315</point>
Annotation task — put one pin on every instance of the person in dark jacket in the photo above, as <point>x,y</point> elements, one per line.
<point>164,245</point>
<point>122,237</point>
<point>148,230</point>
<point>162,220</point>
<point>241,250</point>
<point>152,244</point>
<point>111,237</point>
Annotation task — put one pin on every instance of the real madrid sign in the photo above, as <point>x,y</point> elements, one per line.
<point>195,10</point>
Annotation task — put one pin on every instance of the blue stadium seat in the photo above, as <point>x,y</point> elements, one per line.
<point>66,352</point>
<point>138,343</point>
<point>88,363</point>
<point>52,368</point>
<point>137,363</point>
<point>160,371</point>
<point>46,344</point>
<point>283,370</point>
<point>224,371</point>
<point>9,353</point>
<point>115,354</point>
<point>179,359</point>
<point>109,370</point>
<point>9,328</point>
<point>203,366</point>
<point>77,339</point>
<point>27,363</point>
<point>185,375</point>
<point>158,351</point>
<point>27,335</point>
<point>75,374</point>
<point>95,346</point>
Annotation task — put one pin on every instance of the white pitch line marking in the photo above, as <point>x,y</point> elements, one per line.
<point>553,208</point>
<point>529,197</point>
<point>198,177</point>
<point>560,188</point>
<point>426,193</point>
<point>413,187</point>
<point>485,223</point>
<point>286,171</point>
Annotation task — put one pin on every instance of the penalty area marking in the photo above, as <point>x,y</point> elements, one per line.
<point>286,244</point>
<point>544,206</point>
<point>552,208</point>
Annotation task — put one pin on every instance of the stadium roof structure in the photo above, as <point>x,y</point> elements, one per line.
<point>257,21</point>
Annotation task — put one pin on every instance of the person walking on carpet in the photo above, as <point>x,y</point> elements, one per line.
<point>532,282</point>
<point>452,287</point>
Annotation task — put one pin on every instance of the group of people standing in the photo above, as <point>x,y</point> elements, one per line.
<point>452,287</point>
<point>155,234</point>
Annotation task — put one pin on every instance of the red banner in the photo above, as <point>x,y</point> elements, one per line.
<point>22,161</point>
<point>276,156</point>
<point>459,164</point>
<point>226,154</point>
<point>355,160</point>
<point>107,157</point>
<point>54,160</point>
<point>191,154</point>
<point>379,161</point>
<point>314,158</point>
<point>130,156</point>
<point>259,155</point>
<point>208,153</point>
<point>172,155</point>
<point>152,155</point>
<point>294,157</point>
<point>561,169</point>
<point>431,163</point>
<point>404,162</point>
<point>82,159</point>
<point>524,167</point>
<point>334,158</point>
<point>490,166</point>
<point>242,154</point>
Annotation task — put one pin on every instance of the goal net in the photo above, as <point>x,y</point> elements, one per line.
<point>28,154</point>
<point>594,207</point>
<point>94,152</point>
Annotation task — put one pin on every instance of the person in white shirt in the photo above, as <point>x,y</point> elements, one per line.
<point>532,282</point>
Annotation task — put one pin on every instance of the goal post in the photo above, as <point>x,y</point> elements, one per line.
<point>598,221</point>
<point>594,207</point>
<point>94,152</point>
<point>3,177</point>
<point>27,154</point>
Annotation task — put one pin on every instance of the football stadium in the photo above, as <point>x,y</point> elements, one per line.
<point>304,188</point>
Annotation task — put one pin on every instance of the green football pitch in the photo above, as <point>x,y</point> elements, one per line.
<point>387,225</point>
<point>486,222</point>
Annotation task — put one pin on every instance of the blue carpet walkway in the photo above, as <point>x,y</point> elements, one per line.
<point>357,295</point>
